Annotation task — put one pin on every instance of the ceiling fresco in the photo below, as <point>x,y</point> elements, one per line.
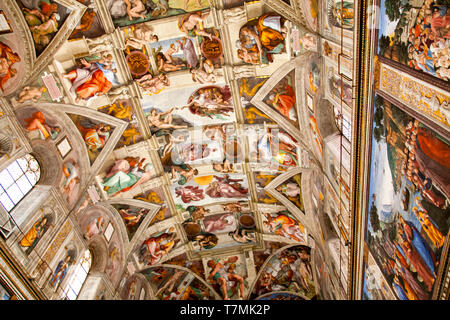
<point>201,150</point>
<point>180,133</point>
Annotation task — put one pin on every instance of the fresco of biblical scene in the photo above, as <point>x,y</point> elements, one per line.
<point>123,110</point>
<point>126,174</point>
<point>310,9</point>
<point>93,225</point>
<point>128,12</point>
<point>228,277</point>
<point>90,25</point>
<point>339,88</point>
<point>155,248</point>
<point>272,148</point>
<point>132,217</point>
<point>316,135</point>
<point>375,286</point>
<point>184,153</point>
<point>175,284</point>
<point>95,134</point>
<point>220,226</point>
<point>288,270</point>
<point>245,230</point>
<point>282,98</point>
<point>409,189</point>
<point>248,87</point>
<point>340,13</point>
<point>181,160</point>
<point>261,181</point>
<point>195,266</point>
<point>134,288</point>
<point>292,190</point>
<point>193,106</point>
<point>92,76</point>
<point>31,237</point>
<point>260,256</point>
<point>253,115</point>
<point>8,66</point>
<point>156,196</point>
<point>210,44</point>
<point>204,189</point>
<point>44,19</point>
<point>260,39</point>
<point>416,34</point>
<point>322,275</point>
<point>284,224</point>
<point>175,54</point>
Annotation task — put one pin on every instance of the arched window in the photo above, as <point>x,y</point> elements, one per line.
<point>78,277</point>
<point>17,180</point>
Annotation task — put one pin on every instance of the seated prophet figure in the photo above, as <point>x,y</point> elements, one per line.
<point>225,276</point>
<point>259,39</point>
<point>7,59</point>
<point>123,181</point>
<point>88,81</point>
<point>283,100</point>
<point>96,136</point>
<point>156,247</point>
<point>42,34</point>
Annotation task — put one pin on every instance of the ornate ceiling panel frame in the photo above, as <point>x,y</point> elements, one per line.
<point>119,127</point>
<point>303,217</point>
<point>153,210</point>
<point>274,79</point>
<point>63,34</point>
<point>266,262</point>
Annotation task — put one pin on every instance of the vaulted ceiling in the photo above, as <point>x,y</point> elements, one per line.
<point>187,142</point>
